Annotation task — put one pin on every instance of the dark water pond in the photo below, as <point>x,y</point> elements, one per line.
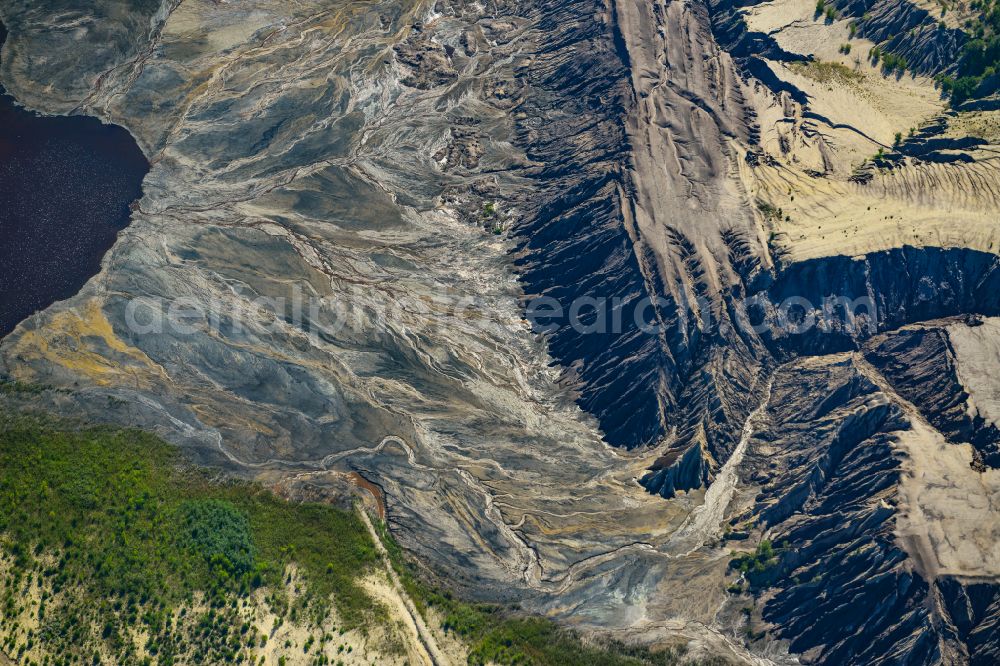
<point>66,185</point>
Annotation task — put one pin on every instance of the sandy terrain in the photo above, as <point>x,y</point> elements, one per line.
<point>949,514</point>
<point>922,205</point>
<point>860,107</point>
<point>977,349</point>
<point>853,111</point>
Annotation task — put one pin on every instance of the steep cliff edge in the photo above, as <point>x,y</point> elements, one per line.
<point>867,503</point>
<point>839,223</point>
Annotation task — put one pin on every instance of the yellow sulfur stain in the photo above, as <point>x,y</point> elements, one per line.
<point>67,340</point>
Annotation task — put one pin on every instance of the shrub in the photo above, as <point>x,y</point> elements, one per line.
<point>219,532</point>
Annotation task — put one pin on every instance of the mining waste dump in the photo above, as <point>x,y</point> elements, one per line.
<point>674,323</point>
<point>66,186</point>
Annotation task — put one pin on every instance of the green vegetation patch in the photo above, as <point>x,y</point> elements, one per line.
<point>538,641</point>
<point>979,64</point>
<point>219,532</point>
<point>826,72</point>
<point>758,561</point>
<point>759,568</point>
<point>124,539</point>
<point>16,387</point>
<point>114,519</point>
<point>890,61</point>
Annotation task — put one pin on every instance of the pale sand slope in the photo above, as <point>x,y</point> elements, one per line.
<point>977,349</point>
<point>948,517</point>
<point>853,110</point>
<point>949,514</point>
<point>984,124</point>
<point>926,204</point>
<point>865,108</point>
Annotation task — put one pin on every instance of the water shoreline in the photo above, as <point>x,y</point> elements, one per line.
<point>67,185</point>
